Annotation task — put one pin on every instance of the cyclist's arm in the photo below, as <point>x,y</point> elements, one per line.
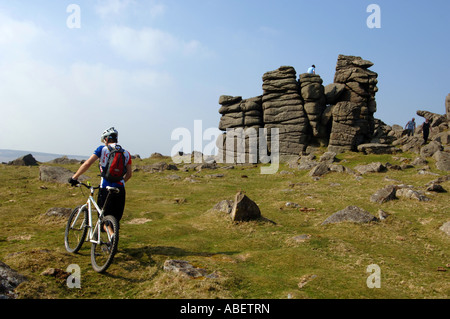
<point>128,174</point>
<point>83,168</point>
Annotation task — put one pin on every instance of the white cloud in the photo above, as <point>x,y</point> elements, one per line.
<point>149,45</point>
<point>108,8</point>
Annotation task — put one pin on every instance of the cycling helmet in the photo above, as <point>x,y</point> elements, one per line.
<point>111,132</point>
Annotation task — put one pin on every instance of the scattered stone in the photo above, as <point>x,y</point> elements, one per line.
<point>59,212</point>
<point>27,160</point>
<point>184,268</point>
<point>376,148</point>
<point>382,215</point>
<point>445,228</point>
<point>351,214</point>
<point>370,168</point>
<point>9,280</point>
<point>224,206</point>
<point>442,160</point>
<point>319,170</point>
<point>244,209</point>
<point>433,187</point>
<point>409,193</point>
<point>419,161</point>
<point>173,177</point>
<point>57,174</point>
<point>292,205</point>
<point>431,148</point>
<point>306,279</point>
<point>55,272</point>
<point>301,238</point>
<point>64,160</point>
<point>384,195</point>
<point>138,221</point>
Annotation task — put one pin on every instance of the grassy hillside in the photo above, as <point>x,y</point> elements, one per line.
<point>172,219</point>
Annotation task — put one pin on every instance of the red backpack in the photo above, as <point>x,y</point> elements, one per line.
<point>116,166</point>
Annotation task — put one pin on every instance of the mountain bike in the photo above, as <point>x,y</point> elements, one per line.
<point>80,226</point>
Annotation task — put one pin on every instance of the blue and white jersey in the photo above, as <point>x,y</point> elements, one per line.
<point>102,152</point>
<point>312,70</point>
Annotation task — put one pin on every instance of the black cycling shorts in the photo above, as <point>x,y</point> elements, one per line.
<point>115,205</point>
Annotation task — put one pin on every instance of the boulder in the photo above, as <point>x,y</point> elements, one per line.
<point>57,174</point>
<point>447,107</point>
<point>384,195</point>
<point>319,170</point>
<point>376,167</point>
<point>445,228</point>
<point>376,148</point>
<point>27,160</point>
<point>431,148</point>
<point>9,280</point>
<point>409,193</point>
<point>352,214</point>
<point>64,160</point>
<point>244,209</point>
<point>333,91</point>
<point>442,160</point>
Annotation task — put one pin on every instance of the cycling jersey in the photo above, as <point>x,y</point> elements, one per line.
<point>102,152</point>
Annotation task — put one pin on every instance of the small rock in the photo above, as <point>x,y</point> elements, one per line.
<point>382,215</point>
<point>350,214</point>
<point>384,195</point>
<point>185,268</point>
<point>292,205</point>
<point>433,187</point>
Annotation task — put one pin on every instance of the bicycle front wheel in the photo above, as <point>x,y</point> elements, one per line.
<point>102,253</point>
<point>76,229</point>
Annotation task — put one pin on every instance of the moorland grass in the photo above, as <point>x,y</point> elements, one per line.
<point>172,219</point>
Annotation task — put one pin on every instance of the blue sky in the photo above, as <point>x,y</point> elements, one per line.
<point>150,67</point>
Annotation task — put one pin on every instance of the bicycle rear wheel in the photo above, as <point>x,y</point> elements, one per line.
<point>76,229</point>
<point>102,254</point>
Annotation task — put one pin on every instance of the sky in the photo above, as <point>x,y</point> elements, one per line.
<point>150,68</point>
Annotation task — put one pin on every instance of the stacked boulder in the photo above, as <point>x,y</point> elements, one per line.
<point>241,119</point>
<point>447,107</point>
<point>283,109</point>
<point>313,94</point>
<point>353,120</point>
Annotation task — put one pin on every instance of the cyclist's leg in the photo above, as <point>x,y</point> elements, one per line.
<point>115,206</point>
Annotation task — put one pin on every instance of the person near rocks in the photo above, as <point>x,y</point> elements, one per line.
<point>312,69</point>
<point>426,130</point>
<point>411,127</point>
<point>116,202</point>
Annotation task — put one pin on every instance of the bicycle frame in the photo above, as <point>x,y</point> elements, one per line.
<point>89,204</point>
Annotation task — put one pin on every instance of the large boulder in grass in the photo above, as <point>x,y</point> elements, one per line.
<point>57,174</point>
<point>9,280</point>
<point>352,214</point>
<point>27,160</point>
<point>244,209</point>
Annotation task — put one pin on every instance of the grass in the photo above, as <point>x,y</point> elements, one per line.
<point>167,219</point>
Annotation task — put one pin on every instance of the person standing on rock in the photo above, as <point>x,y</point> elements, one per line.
<point>116,203</point>
<point>426,130</point>
<point>312,69</point>
<point>411,127</point>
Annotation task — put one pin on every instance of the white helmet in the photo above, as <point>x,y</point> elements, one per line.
<point>111,132</point>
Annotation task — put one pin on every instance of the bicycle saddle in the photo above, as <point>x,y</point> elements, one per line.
<point>112,189</point>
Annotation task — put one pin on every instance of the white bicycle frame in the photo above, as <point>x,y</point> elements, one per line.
<point>91,202</point>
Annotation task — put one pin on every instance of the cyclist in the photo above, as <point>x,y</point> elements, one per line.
<point>116,202</point>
